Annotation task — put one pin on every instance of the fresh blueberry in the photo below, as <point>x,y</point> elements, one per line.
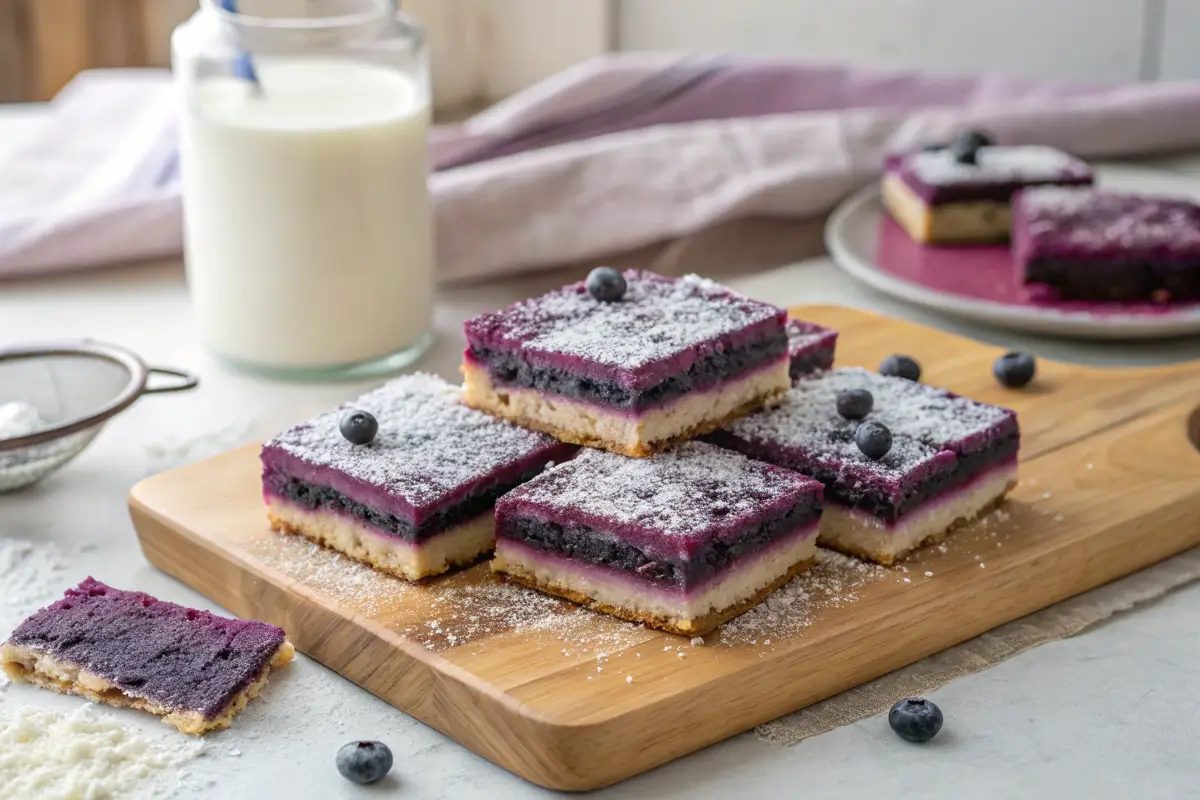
<point>915,719</point>
<point>965,147</point>
<point>1014,369</point>
<point>364,762</point>
<point>606,284</point>
<point>855,403</point>
<point>874,439</point>
<point>899,366</point>
<point>359,427</point>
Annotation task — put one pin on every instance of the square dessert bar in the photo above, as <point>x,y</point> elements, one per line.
<point>194,669</point>
<point>951,459</point>
<point>937,198</point>
<point>418,498</point>
<point>1090,244</point>
<point>810,347</point>
<point>682,541</point>
<point>672,358</point>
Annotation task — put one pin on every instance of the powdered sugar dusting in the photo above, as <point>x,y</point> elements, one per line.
<point>803,336</point>
<point>687,493</point>
<point>924,422</point>
<point>833,582</point>
<point>429,444</point>
<point>997,165</point>
<point>1090,220</point>
<point>656,319</point>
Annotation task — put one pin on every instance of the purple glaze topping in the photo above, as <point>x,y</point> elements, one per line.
<point>940,440</point>
<point>431,452</point>
<point>1059,222</point>
<point>661,327</point>
<point>669,506</point>
<point>810,347</point>
<point>937,177</point>
<point>179,658</point>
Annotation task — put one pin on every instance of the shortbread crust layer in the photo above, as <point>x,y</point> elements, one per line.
<point>867,536</point>
<point>459,545</point>
<point>962,222</point>
<point>636,434</point>
<point>45,671</point>
<point>739,588</point>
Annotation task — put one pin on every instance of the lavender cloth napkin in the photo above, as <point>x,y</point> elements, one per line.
<point>630,149</point>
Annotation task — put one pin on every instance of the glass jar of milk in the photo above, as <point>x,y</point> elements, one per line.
<point>307,227</point>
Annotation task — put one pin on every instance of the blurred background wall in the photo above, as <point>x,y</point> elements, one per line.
<point>485,49</point>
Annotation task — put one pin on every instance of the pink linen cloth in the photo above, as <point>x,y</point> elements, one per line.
<point>630,149</point>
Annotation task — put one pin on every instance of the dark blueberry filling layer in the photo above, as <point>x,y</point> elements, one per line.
<point>1111,281</point>
<point>860,496</point>
<point>313,497</point>
<point>586,544</point>
<point>816,361</point>
<point>508,369</point>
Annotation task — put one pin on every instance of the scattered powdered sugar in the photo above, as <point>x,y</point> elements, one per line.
<point>18,418</point>
<point>656,319</point>
<point>833,582</point>
<point>923,419</point>
<point>428,445</point>
<point>32,575</point>
<point>997,165</point>
<point>686,492</point>
<point>85,755</point>
<point>1089,220</point>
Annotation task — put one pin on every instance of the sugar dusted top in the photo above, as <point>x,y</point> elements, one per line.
<point>180,658</point>
<point>930,428</point>
<point>430,451</point>
<point>660,327</point>
<point>673,502</point>
<point>1052,222</point>
<point>937,176</point>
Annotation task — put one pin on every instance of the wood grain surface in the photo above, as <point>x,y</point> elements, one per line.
<point>574,700</point>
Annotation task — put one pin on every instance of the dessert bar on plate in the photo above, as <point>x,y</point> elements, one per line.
<point>950,460</point>
<point>682,541</point>
<point>956,195</point>
<point>417,499</point>
<point>672,358</point>
<point>1091,244</point>
<point>810,347</point>
<point>194,669</point>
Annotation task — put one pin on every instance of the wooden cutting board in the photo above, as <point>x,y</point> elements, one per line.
<point>574,700</point>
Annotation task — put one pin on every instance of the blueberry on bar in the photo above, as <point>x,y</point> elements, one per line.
<point>415,501</point>
<point>672,358</point>
<point>937,197</point>
<point>950,458</point>
<point>192,668</point>
<point>681,541</point>
<point>1102,246</point>
<point>810,347</point>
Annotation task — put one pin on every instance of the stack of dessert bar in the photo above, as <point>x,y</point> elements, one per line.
<point>643,522</point>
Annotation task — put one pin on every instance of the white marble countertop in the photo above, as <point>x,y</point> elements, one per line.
<point>1102,715</point>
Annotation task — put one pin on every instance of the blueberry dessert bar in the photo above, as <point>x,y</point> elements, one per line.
<point>414,495</point>
<point>810,347</point>
<point>963,193</point>
<point>192,668</point>
<point>1090,244</point>
<point>682,541</point>
<point>632,370</point>
<point>901,462</point>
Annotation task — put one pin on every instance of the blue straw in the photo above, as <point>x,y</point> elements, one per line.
<point>243,65</point>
